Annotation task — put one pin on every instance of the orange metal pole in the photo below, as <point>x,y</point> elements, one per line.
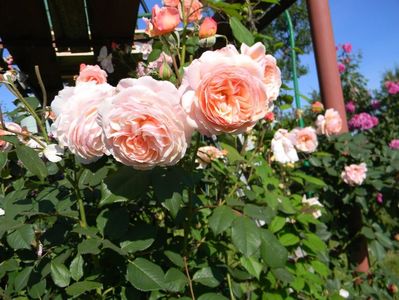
<point>326,59</point>
<point>332,97</point>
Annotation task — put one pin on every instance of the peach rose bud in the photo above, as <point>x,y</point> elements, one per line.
<point>164,20</point>
<point>208,28</point>
<point>192,10</point>
<point>317,107</point>
<point>91,73</point>
<point>270,117</point>
<point>165,71</point>
<point>207,154</point>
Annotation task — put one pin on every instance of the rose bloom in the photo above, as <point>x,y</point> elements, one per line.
<point>91,73</point>
<point>76,125</point>
<point>330,123</point>
<point>144,125</point>
<point>5,146</point>
<point>225,92</point>
<point>304,139</point>
<point>207,154</point>
<point>354,174</point>
<point>173,3</point>
<point>317,107</point>
<point>192,10</point>
<point>283,148</point>
<point>392,87</point>
<point>164,20</point>
<point>341,68</point>
<point>394,144</point>
<point>208,28</point>
<point>350,107</point>
<point>363,121</point>
<point>347,47</point>
<point>271,73</point>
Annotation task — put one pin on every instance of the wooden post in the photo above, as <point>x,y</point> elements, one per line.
<point>332,97</point>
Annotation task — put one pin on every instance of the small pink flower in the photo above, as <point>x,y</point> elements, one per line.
<point>91,73</point>
<point>304,139</point>
<point>379,198</point>
<point>330,123</point>
<point>354,174</point>
<point>347,47</point>
<point>269,116</point>
<point>208,28</point>
<point>350,107</point>
<point>164,20</point>
<point>392,87</point>
<point>317,107</point>
<point>394,144</point>
<point>207,154</point>
<point>341,68</point>
<point>5,146</point>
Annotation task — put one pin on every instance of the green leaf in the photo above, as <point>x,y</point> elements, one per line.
<point>245,236</point>
<point>259,213</point>
<point>113,222</point>
<point>37,289</point>
<point>252,265</point>
<point>272,252</point>
<point>175,280</point>
<point>320,268</point>
<point>89,246</point>
<point>79,288</point>
<point>21,280</point>
<point>240,32</point>
<point>76,268</point>
<point>206,277</point>
<point>221,219</point>
<point>314,243</point>
<point>212,296</point>
<point>173,204</point>
<point>277,224</point>
<point>31,161</point>
<point>232,153</point>
<point>60,274</point>
<point>21,238</point>
<point>175,258</point>
<point>283,275</point>
<point>107,197</point>
<point>309,179</point>
<point>33,102</point>
<point>289,239</point>
<point>138,238</point>
<point>145,275</point>
<point>3,159</point>
<point>155,53</point>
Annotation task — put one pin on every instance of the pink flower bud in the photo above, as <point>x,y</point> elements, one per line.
<point>269,117</point>
<point>164,20</point>
<point>317,107</point>
<point>208,28</point>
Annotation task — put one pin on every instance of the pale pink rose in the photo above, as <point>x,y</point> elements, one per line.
<point>173,3</point>
<point>207,154</point>
<point>354,174</point>
<point>304,139</point>
<point>192,10</point>
<point>144,124</point>
<point>91,73</point>
<point>272,74</point>
<point>5,146</point>
<point>330,123</point>
<point>76,125</point>
<point>224,92</point>
<point>164,20</point>
<point>208,28</point>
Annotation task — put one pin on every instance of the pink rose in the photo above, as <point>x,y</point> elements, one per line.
<point>354,174</point>
<point>208,28</point>
<point>270,116</point>
<point>330,123</point>
<point>347,47</point>
<point>224,91</point>
<point>350,107</point>
<point>341,68</point>
<point>5,146</point>
<point>208,153</point>
<point>173,3</point>
<point>304,139</point>
<point>91,73</point>
<point>392,87</point>
<point>272,74</point>
<point>192,10</point>
<point>394,144</point>
<point>76,125</point>
<point>164,20</point>
<point>144,125</point>
<point>379,198</point>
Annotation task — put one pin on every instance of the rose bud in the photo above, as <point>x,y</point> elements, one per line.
<point>269,117</point>
<point>164,20</point>
<point>317,107</point>
<point>208,28</point>
<point>165,72</point>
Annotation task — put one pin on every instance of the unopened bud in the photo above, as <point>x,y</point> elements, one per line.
<point>317,107</point>
<point>165,72</point>
<point>208,28</point>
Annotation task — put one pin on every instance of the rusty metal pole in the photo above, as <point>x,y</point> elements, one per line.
<point>332,97</point>
<point>326,58</point>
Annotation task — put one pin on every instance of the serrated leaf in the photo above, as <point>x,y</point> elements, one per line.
<point>272,252</point>
<point>206,277</point>
<point>245,236</point>
<point>314,243</point>
<point>79,288</point>
<point>31,161</point>
<point>252,265</point>
<point>232,153</point>
<point>21,238</point>
<point>89,246</point>
<point>76,268</point>
<point>145,275</point>
<point>60,274</point>
<point>240,32</point>
<point>175,280</point>
<point>221,219</point>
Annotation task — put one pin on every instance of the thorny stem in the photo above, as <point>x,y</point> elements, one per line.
<point>44,93</point>
<point>190,283</point>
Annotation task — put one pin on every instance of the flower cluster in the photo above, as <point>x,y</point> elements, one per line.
<point>145,123</point>
<point>363,121</point>
<point>392,87</point>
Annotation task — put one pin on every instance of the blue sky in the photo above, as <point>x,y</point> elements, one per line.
<point>371,26</point>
